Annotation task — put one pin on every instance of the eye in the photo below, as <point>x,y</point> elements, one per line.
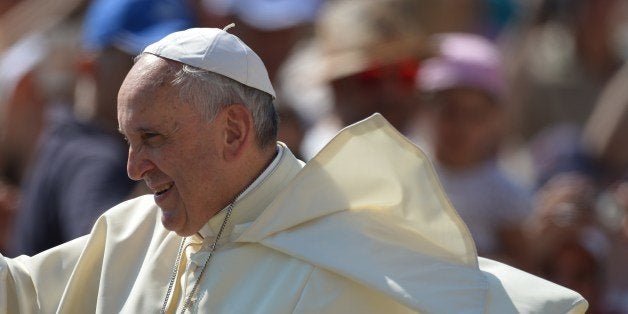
<point>152,139</point>
<point>148,135</point>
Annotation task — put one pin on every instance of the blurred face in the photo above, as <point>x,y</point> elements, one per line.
<point>466,127</point>
<point>389,90</point>
<point>172,148</point>
<point>111,67</point>
<point>21,124</point>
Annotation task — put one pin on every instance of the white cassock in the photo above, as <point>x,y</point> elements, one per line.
<point>364,227</point>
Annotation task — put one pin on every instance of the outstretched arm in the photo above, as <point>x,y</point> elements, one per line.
<point>36,284</point>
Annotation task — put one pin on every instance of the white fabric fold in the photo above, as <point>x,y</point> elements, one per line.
<point>363,228</point>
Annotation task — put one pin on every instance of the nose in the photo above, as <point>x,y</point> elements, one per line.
<point>137,165</point>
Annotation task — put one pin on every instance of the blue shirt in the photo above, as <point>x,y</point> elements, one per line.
<point>79,172</point>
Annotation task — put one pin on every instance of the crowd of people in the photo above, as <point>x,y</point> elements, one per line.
<point>521,106</point>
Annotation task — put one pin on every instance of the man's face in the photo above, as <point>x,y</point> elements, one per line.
<point>172,148</point>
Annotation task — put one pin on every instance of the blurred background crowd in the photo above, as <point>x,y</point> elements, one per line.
<point>522,106</point>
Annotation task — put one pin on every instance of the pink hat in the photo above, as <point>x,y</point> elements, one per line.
<point>463,60</point>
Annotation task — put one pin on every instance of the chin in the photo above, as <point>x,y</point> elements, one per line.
<point>178,231</point>
<point>170,222</point>
<point>183,233</point>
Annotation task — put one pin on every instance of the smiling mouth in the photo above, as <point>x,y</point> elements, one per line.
<point>164,189</point>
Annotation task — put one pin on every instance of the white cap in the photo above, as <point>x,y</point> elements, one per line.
<point>217,51</point>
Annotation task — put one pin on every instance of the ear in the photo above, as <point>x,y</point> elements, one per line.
<point>237,131</point>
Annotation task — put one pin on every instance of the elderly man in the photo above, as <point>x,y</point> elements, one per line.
<point>246,227</point>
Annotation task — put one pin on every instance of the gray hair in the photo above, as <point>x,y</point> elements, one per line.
<point>211,92</point>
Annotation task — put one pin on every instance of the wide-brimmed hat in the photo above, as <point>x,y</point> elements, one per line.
<point>354,35</point>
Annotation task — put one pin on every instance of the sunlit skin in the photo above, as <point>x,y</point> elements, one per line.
<point>193,166</point>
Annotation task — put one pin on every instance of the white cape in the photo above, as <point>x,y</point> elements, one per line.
<point>367,211</point>
<point>381,218</point>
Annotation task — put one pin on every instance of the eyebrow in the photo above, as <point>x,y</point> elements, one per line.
<point>138,129</point>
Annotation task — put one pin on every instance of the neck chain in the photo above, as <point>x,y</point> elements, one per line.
<point>188,300</point>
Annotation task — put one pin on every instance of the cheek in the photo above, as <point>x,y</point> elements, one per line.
<point>174,162</point>
<point>197,168</point>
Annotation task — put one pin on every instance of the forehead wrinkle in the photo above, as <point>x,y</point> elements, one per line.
<point>150,80</point>
<point>147,77</point>
<point>165,125</point>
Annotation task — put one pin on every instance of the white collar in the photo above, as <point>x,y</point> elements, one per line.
<point>213,225</point>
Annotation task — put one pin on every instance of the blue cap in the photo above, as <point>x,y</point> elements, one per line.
<point>131,25</point>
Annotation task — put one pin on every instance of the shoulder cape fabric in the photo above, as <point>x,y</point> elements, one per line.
<point>369,207</point>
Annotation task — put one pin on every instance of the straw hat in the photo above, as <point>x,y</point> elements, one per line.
<point>356,34</point>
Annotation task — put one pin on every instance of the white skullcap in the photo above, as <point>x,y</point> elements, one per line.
<point>217,51</point>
